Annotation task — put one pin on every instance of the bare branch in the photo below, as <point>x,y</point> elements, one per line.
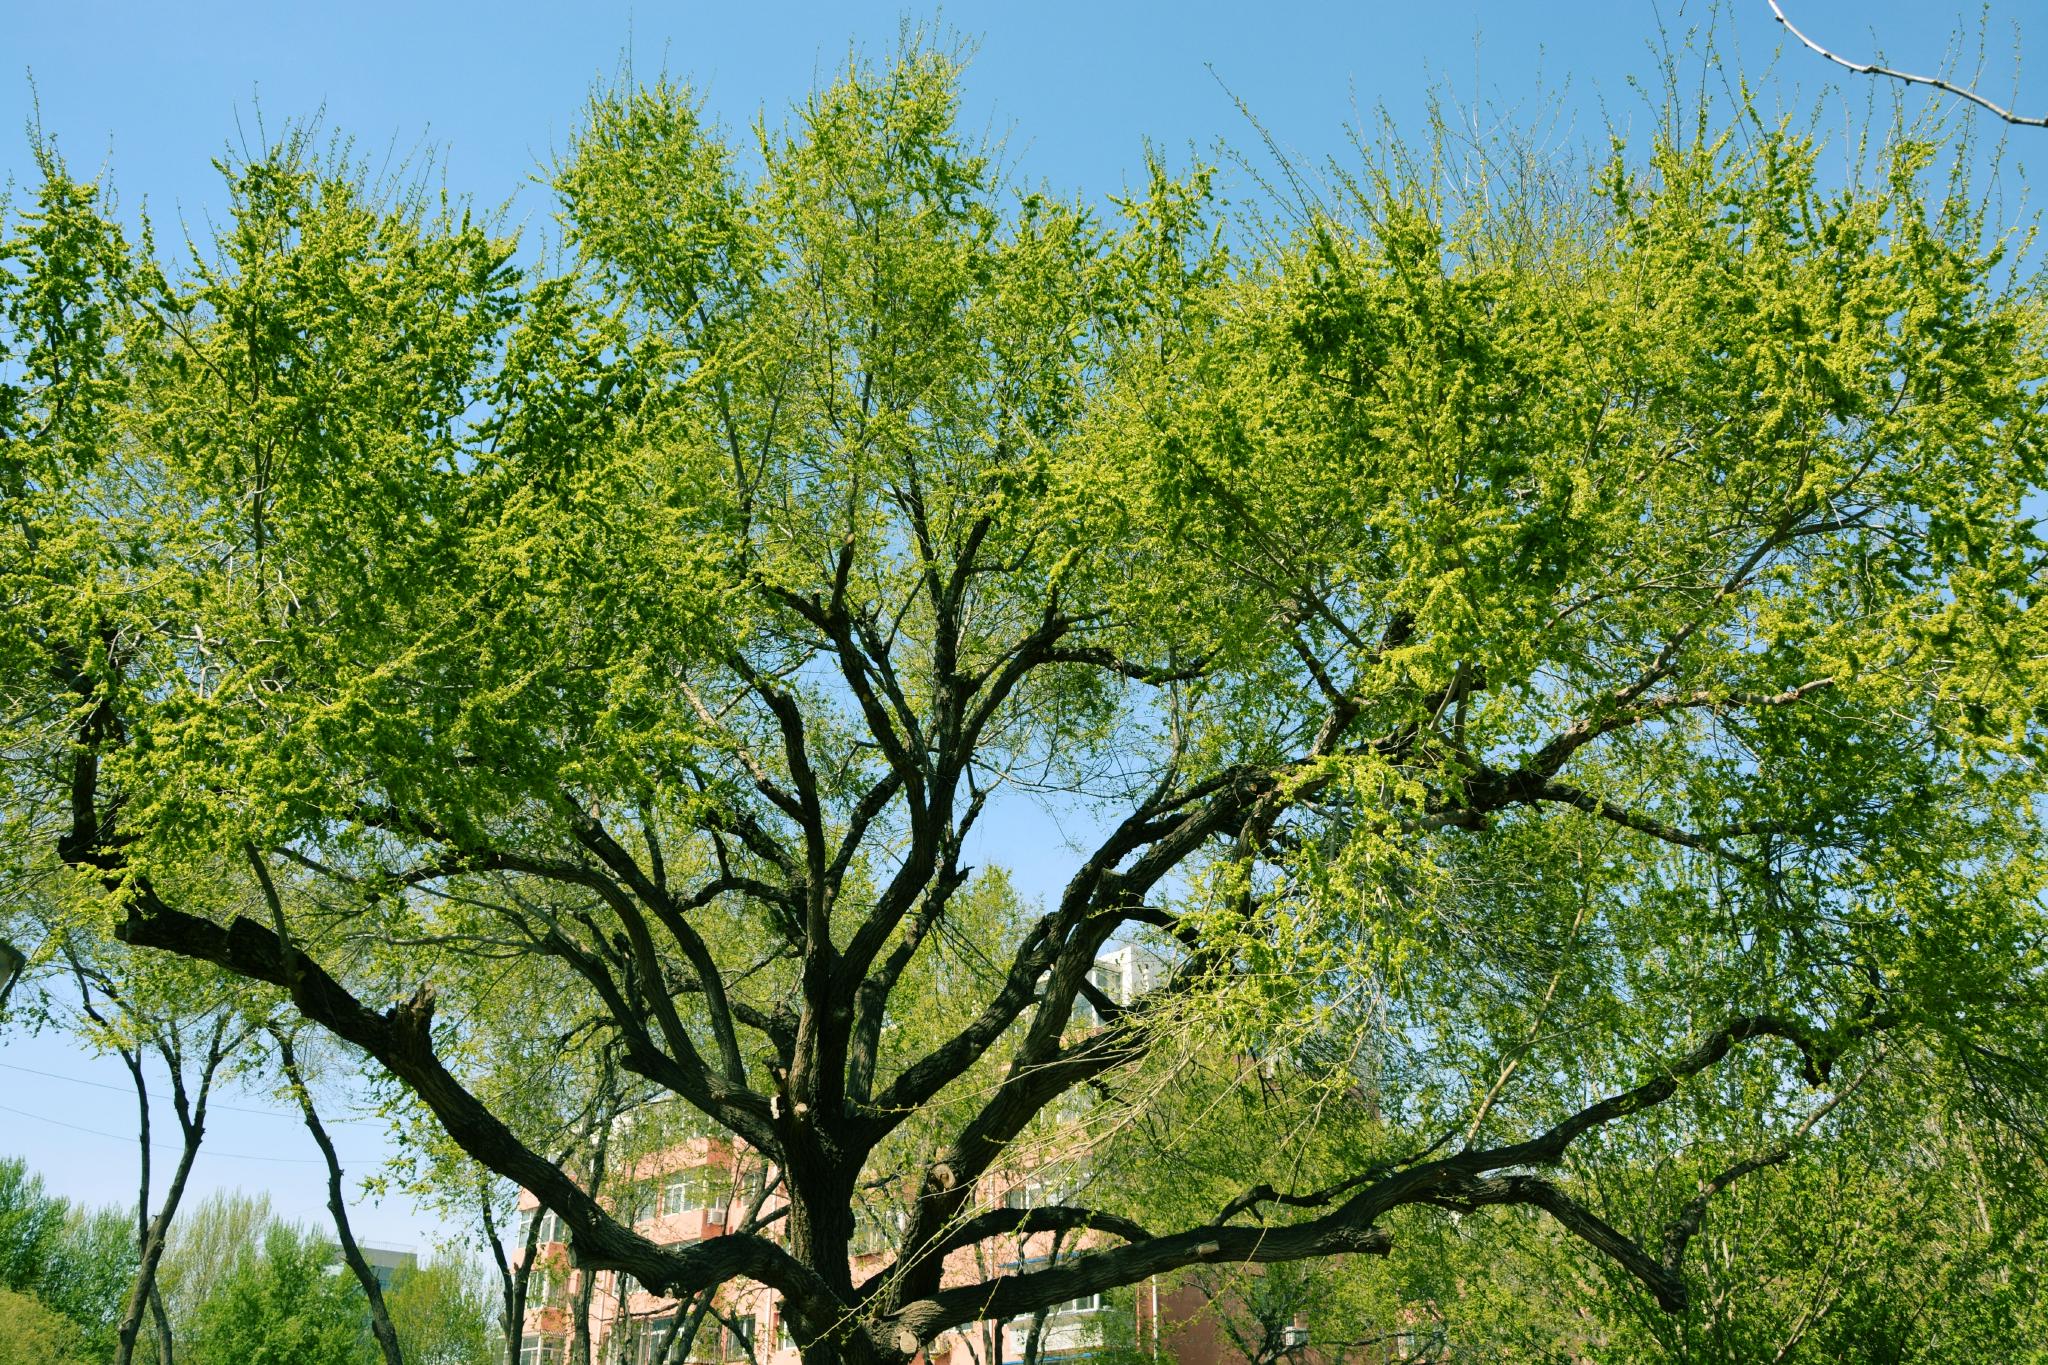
<point>1047,1218</point>
<point>401,1038</point>
<point>1933,82</point>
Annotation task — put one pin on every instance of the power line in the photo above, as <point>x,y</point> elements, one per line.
<point>162,1146</point>
<point>211,1105</point>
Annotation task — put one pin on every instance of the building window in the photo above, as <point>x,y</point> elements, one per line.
<point>705,1187</point>
<point>645,1338</point>
<point>1066,1331</point>
<point>539,1348</point>
<point>877,1232</point>
<point>678,1194</point>
<point>739,1337</point>
<point>551,1229</point>
<point>1039,1191</point>
<point>783,1340</point>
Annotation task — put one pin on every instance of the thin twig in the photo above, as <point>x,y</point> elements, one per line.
<point>1873,69</point>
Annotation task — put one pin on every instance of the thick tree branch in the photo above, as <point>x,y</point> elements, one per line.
<point>1664,1283</point>
<point>674,918</point>
<point>1092,1272</point>
<point>1467,1179</point>
<point>401,1038</point>
<point>1048,1218</point>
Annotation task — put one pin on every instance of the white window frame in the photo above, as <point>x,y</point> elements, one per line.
<point>540,1348</point>
<point>647,1333</point>
<point>739,1344</point>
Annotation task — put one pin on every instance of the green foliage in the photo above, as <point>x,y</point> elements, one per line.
<point>1910,1251</point>
<point>206,1244</point>
<point>442,1314</point>
<point>76,1262</point>
<point>90,1271</point>
<point>31,1223</point>
<point>235,1280</point>
<point>281,1304</point>
<point>33,1334</point>
<point>1513,639</point>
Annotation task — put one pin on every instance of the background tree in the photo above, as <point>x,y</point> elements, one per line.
<point>205,1246</point>
<point>190,1024</point>
<point>31,1333</point>
<point>89,1271</point>
<point>442,1313</point>
<point>1582,632</point>
<point>75,1262</point>
<point>232,1254</point>
<point>30,1224</point>
<point>279,1305</point>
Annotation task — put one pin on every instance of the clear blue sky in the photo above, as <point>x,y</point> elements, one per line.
<point>153,91</point>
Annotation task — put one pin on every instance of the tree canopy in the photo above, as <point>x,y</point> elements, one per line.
<point>1546,665</point>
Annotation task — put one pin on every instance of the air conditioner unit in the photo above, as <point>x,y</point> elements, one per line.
<point>715,1213</point>
<point>1293,1338</point>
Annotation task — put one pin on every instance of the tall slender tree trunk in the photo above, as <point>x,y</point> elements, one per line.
<point>580,1344</point>
<point>151,1233</point>
<point>380,1316</point>
<point>165,1355</point>
<point>681,1333</point>
<point>512,1279</point>
<point>131,1320</point>
<point>155,1231</point>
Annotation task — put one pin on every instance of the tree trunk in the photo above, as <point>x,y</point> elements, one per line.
<point>852,1347</point>
<point>579,1317</point>
<point>165,1355</point>
<point>681,1335</point>
<point>11,963</point>
<point>580,1344</point>
<point>512,1279</point>
<point>131,1319</point>
<point>157,1230</point>
<point>380,1317</point>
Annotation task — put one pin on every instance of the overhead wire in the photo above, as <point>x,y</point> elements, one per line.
<point>211,1105</point>
<point>163,1146</point>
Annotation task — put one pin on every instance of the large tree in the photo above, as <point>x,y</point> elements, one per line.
<point>1548,668</point>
